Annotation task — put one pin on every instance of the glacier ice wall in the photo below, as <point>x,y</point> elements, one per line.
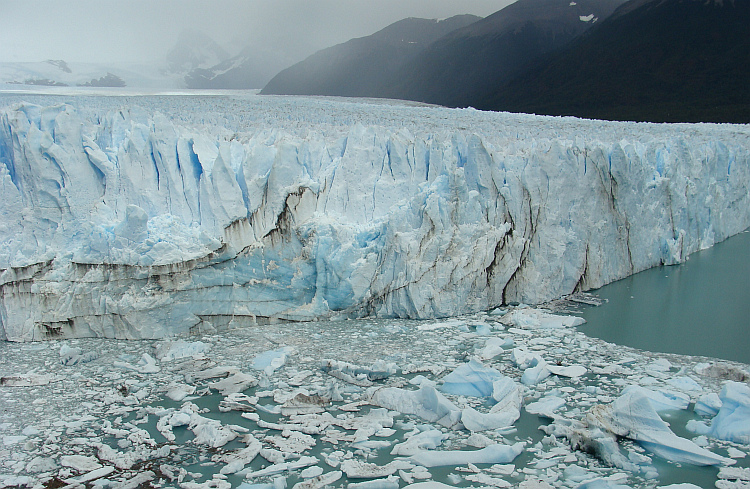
<point>132,224</point>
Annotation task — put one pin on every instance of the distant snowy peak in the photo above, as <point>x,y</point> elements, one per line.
<point>194,50</point>
<point>59,73</point>
<point>60,64</point>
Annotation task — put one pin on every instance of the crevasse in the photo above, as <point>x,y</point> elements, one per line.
<point>134,225</point>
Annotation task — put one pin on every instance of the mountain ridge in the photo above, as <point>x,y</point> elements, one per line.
<point>362,66</point>
<point>652,60</point>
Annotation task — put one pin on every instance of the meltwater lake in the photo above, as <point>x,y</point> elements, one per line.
<point>699,307</point>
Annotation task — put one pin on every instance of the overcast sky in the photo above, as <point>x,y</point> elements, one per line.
<point>130,31</point>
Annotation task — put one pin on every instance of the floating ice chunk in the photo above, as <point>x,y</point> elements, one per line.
<point>708,404</point>
<point>572,371</point>
<point>178,392</point>
<point>735,473</point>
<point>475,421</point>
<point>234,384</point>
<point>631,415</point>
<point>508,396</point>
<point>146,365</point>
<point>528,318</point>
<point>601,483</point>
<point>71,356</point>
<point>483,329</point>
<point>523,359</point>
<point>361,376</point>
<point>27,380</point>
<point>734,453</point>
<point>215,483</point>
<point>236,461</point>
<point>311,472</point>
<point>357,469</point>
<point>278,468</point>
<point>247,485</point>
<point>424,440</point>
<point>81,463</point>
<point>664,400</point>
<point>41,464</point>
<point>427,403</point>
<point>391,482</point>
<point>471,379</point>
<point>659,365</point>
<point>478,440</point>
<point>493,454</point>
<point>167,351</point>
<point>428,485</point>
<point>545,406</point>
<point>722,370</point>
<point>209,373</point>
<point>14,439</point>
<point>535,374</point>
<point>683,485</point>
<point>489,481</point>
<point>732,423</point>
<point>322,480</point>
<point>494,347</point>
<point>210,431</point>
<point>272,360</point>
<point>304,404</point>
<point>90,476</point>
<point>684,383</point>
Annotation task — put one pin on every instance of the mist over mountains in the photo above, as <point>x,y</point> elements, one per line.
<point>643,60</point>
<point>455,69</point>
<point>365,67</point>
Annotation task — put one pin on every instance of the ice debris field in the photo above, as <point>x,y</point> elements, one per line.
<point>144,217</point>
<point>236,218</point>
<point>515,398</point>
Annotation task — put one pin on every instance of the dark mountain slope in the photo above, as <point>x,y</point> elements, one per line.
<point>470,63</point>
<point>361,67</point>
<point>652,60</point>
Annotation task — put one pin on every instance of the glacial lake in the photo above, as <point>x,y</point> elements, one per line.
<point>701,307</point>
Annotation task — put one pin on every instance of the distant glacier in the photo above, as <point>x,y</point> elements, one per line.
<point>198,213</point>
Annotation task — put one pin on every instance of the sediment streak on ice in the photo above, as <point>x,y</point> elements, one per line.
<point>131,225</point>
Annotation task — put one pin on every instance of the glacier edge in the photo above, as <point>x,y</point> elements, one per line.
<point>132,225</point>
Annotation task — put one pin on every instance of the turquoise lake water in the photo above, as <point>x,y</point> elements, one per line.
<point>701,307</point>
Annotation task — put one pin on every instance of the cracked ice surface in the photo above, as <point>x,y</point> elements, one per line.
<point>191,213</point>
<point>103,424</point>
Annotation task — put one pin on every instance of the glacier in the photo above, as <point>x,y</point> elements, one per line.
<point>162,217</point>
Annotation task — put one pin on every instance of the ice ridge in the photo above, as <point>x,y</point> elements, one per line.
<point>133,225</point>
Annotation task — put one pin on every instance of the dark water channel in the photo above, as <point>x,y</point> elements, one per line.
<point>701,307</point>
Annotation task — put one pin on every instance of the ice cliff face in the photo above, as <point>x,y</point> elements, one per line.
<point>131,224</point>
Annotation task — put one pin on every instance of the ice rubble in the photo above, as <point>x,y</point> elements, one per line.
<point>313,421</point>
<point>130,224</point>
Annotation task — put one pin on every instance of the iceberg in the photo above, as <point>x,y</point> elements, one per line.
<point>427,403</point>
<point>493,454</point>
<point>732,422</point>
<point>471,379</point>
<point>144,223</point>
<point>633,416</point>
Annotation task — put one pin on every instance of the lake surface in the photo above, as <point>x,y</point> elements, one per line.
<point>701,307</point>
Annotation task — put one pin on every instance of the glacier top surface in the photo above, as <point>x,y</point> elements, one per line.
<point>233,111</point>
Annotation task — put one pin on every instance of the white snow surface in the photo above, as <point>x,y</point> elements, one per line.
<point>153,217</point>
